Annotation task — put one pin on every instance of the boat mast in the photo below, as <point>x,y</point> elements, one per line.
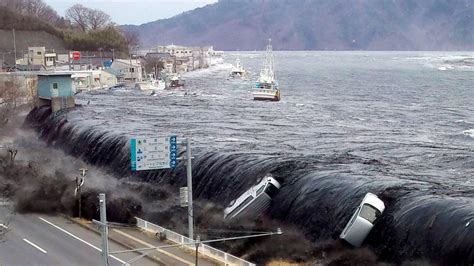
<point>270,63</point>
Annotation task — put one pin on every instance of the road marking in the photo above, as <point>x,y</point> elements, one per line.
<point>34,245</point>
<point>151,246</point>
<point>4,226</point>
<point>83,241</point>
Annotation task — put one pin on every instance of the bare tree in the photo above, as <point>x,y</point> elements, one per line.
<point>87,18</point>
<point>15,5</point>
<point>154,65</point>
<point>98,19</point>
<point>132,38</point>
<point>10,97</point>
<point>36,8</point>
<point>78,16</point>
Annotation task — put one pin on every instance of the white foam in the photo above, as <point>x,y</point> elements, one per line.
<point>469,133</point>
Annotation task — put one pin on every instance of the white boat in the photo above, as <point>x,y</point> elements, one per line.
<point>267,88</point>
<point>254,201</point>
<point>238,71</point>
<point>151,84</point>
<point>174,81</point>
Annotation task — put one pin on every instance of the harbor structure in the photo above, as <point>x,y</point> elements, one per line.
<point>55,90</point>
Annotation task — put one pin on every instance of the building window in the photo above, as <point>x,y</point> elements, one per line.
<point>132,70</point>
<point>39,53</point>
<point>55,85</point>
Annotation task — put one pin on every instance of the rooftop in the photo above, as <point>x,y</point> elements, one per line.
<point>54,74</point>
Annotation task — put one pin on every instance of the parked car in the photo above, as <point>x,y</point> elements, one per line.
<point>254,201</point>
<point>363,219</point>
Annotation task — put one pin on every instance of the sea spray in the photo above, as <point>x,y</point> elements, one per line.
<point>422,220</point>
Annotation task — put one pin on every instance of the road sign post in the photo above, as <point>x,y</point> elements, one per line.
<point>161,153</point>
<point>153,153</point>
<point>190,189</point>
<point>104,231</point>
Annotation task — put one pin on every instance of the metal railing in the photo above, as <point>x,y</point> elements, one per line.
<point>206,250</point>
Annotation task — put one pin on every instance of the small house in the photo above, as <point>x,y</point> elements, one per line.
<point>55,90</point>
<point>131,69</point>
<point>36,55</point>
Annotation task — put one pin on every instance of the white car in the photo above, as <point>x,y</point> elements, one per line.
<point>254,201</point>
<point>363,220</point>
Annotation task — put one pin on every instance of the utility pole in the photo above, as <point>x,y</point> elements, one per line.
<point>14,46</point>
<point>131,66</point>
<point>77,192</point>
<point>190,189</point>
<point>104,230</point>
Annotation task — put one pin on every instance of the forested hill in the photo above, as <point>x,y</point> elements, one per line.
<point>320,25</point>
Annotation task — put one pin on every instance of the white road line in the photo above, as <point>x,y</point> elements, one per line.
<point>34,245</point>
<point>151,246</point>
<point>4,226</point>
<point>77,238</point>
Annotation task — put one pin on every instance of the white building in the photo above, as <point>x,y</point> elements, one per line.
<point>132,70</point>
<point>93,79</point>
<point>36,55</point>
<point>50,59</point>
<point>176,50</point>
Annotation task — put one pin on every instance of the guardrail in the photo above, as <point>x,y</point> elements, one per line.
<point>204,249</point>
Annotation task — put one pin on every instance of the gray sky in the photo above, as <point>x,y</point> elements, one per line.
<point>133,11</point>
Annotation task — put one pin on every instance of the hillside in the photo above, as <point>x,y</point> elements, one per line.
<point>33,30</point>
<point>29,31</point>
<point>320,25</point>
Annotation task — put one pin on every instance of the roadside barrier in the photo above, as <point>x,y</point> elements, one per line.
<point>204,249</point>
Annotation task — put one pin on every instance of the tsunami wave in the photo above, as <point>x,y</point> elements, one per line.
<point>423,220</point>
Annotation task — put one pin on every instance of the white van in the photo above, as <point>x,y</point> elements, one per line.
<point>363,220</point>
<point>254,201</point>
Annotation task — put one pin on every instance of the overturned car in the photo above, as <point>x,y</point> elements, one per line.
<point>363,219</point>
<point>254,201</point>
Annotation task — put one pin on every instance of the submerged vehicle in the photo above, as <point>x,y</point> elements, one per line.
<point>238,71</point>
<point>267,88</point>
<point>362,221</point>
<point>255,200</point>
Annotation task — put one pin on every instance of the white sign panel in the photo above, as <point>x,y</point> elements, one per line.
<point>183,196</point>
<point>153,153</point>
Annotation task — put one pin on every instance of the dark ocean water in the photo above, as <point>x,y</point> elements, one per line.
<point>400,125</point>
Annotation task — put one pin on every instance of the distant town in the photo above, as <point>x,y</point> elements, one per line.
<point>101,69</point>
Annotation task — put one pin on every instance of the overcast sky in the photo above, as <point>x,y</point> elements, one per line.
<point>133,11</point>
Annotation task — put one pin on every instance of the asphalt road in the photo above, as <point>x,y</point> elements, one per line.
<point>48,240</point>
<point>37,239</point>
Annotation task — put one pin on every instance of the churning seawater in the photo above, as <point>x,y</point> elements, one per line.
<point>398,124</point>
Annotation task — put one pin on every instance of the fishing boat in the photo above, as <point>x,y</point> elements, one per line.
<point>238,71</point>
<point>174,81</point>
<point>151,84</point>
<point>266,87</point>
